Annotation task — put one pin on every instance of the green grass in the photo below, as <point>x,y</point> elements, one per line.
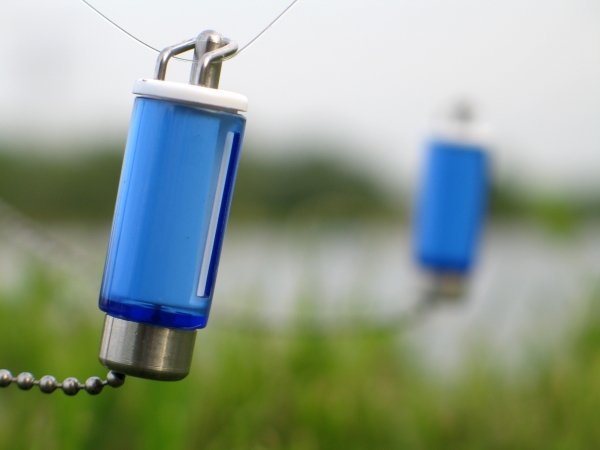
<point>295,390</point>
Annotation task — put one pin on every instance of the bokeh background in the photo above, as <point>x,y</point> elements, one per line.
<point>312,343</point>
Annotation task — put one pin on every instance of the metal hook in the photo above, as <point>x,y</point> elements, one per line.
<point>210,49</point>
<point>163,57</point>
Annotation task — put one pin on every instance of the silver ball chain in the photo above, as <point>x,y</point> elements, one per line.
<point>71,386</point>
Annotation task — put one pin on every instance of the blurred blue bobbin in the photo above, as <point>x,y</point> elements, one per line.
<point>174,196</point>
<point>451,204</point>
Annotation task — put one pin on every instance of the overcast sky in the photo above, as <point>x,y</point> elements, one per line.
<point>367,75</point>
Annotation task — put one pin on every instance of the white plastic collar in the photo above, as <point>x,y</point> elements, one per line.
<point>189,93</point>
<point>477,133</point>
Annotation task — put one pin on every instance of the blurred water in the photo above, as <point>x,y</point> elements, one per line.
<point>528,288</point>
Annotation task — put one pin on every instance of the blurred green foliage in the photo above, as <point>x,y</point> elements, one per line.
<point>307,189</point>
<point>85,188</point>
<point>61,189</point>
<point>559,213</point>
<point>297,390</point>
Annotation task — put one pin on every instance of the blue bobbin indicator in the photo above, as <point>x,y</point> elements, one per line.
<point>174,197</point>
<point>451,206</point>
<point>175,192</point>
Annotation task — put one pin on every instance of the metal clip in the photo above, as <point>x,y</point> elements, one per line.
<point>210,48</point>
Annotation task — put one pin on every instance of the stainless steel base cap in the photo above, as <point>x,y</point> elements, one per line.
<point>447,285</point>
<point>146,351</point>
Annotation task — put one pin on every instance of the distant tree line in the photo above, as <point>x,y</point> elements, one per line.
<point>84,188</point>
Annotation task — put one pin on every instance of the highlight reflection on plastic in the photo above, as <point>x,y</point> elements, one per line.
<point>172,208</point>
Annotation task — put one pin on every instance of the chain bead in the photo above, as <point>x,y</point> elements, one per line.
<point>48,384</point>
<point>5,377</point>
<point>94,385</point>
<point>114,379</point>
<point>70,386</point>
<point>25,381</point>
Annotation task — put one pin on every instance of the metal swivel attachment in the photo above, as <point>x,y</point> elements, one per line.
<point>71,386</point>
<point>210,49</point>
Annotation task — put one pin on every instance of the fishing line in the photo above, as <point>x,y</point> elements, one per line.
<point>139,41</point>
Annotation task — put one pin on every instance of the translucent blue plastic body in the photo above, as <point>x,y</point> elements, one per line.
<point>451,207</point>
<point>174,196</point>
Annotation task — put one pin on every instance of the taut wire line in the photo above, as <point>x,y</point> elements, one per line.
<point>120,28</point>
<point>139,41</point>
<point>263,31</point>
